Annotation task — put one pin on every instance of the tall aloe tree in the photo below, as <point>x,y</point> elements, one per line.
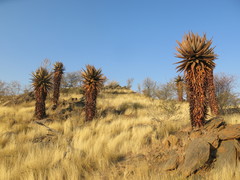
<point>58,72</point>
<point>93,80</point>
<point>212,99</point>
<point>197,63</point>
<point>41,82</point>
<point>179,83</point>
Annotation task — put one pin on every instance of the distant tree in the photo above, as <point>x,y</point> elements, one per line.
<point>46,63</point>
<point>197,62</point>
<point>93,80</point>
<point>179,84</point>
<point>41,82</point>
<point>27,89</point>
<point>165,91</point>
<point>112,84</point>
<point>148,87</point>
<point>2,88</point>
<point>139,88</point>
<point>129,83</point>
<point>226,97</point>
<point>10,89</point>
<point>58,72</point>
<point>71,79</point>
<point>14,88</point>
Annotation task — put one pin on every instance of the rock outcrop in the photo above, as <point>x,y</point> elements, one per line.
<point>211,147</point>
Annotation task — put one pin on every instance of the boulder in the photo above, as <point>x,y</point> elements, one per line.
<point>212,138</point>
<point>214,124</point>
<point>200,150</point>
<point>195,134</point>
<point>230,132</point>
<point>172,162</point>
<point>197,155</point>
<point>227,154</point>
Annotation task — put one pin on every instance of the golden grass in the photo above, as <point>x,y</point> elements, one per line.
<point>127,123</point>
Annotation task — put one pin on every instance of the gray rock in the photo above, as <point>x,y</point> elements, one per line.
<point>214,123</point>
<point>226,154</point>
<point>195,134</point>
<point>230,132</point>
<point>172,162</point>
<point>197,155</point>
<point>212,138</point>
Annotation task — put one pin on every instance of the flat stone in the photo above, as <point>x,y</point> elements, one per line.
<point>195,134</point>
<point>226,155</point>
<point>172,162</point>
<point>197,154</point>
<point>212,138</point>
<point>214,123</point>
<point>230,132</point>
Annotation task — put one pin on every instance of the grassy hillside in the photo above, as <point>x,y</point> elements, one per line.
<point>63,147</point>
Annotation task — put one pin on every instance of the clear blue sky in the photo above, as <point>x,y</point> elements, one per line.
<point>126,38</point>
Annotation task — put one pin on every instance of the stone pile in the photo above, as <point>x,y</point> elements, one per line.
<point>212,147</point>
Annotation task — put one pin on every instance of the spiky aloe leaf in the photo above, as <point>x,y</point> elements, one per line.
<point>179,79</point>
<point>58,67</point>
<point>42,79</point>
<point>195,51</point>
<point>92,78</point>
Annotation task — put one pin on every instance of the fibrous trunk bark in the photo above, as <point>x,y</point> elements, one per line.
<point>180,91</point>
<point>90,106</point>
<point>211,93</point>
<point>197,88</point>
<point>40,110</point>
<point>56,88</point>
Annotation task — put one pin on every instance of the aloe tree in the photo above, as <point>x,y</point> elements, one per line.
<point>179,84</point>
<point>58,72</point>
<point>41,82</point>
<point>212,99</point>
<point>197,63</point>
<point>93,80</point>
